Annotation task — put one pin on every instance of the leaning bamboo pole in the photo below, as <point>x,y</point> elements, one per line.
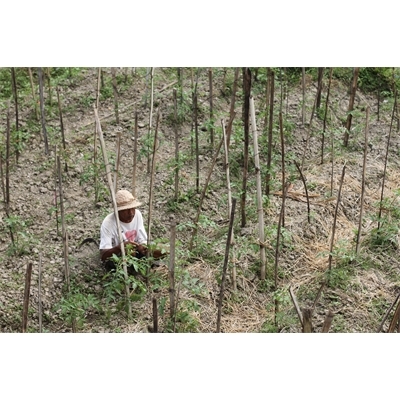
<point>114,201</point>
<point>224,268</point>
<point>260,210</point>
<point>363,182</point>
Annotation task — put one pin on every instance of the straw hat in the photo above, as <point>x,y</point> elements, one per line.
<point>125,200</point>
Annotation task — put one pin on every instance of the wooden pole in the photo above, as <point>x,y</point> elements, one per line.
<point>334,222</point>
<point>326,115</point>
<point>319,88</point>
<point>363,183</point>
<point>282,157</point>
<point>150,118</point>
<point>40,293</point>
<point>210,82</point>
<point>303,109</point>
<point>222,288</point>
<point>8,140</point>
<point>171,270</point>
<point>176,174</point>
<point>351,106</point>
<point>15,95</point>
<point>115,90</point>
<point>28,276</point>
<point>117,161</point>
<point>155,316</point>
<point>260,210</point>
<point>270,126</point>
<point>33,94</point>
<point>42,117</point>
<point>111,186</point>
<point>61,126</point>
<point>232,106</point>
<point>135,144</point>
<point>246,113</point>
<point>228,183</point>
<point>327,322</point>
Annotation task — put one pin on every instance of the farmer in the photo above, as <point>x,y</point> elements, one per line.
<point>133,231</point>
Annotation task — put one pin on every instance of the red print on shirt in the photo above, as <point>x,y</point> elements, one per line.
<point>131,235</point>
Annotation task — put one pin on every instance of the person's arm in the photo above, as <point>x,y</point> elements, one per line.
<point>107,253</point>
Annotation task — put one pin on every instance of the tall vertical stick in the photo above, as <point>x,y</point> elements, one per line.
<point>171,270</point>
<point>150,118</point>
<point>135,143</point>
<point>246,112</point>
<point>42,118</point>
<point>153,171</point>
<point>62,127</point>
<point>115,90</point>
<point>363,182</point>
<point>176,174</point>
<point>33,94</point>
<point>15,95</point>
<point>260,209</point>
<point>303,82</point>
<point>26,297</point>
<point>228,242</point>
<point>282,157</point>
<point>232,106</point>
<point>326,115</point>
<point>114,201</point>
<point>351,106</point>
<point>210,82</point>
<point>270,126</point>
<point>334,223</point>
<point>117,161</point>
<point>8,139</point>
<point>40,293</point>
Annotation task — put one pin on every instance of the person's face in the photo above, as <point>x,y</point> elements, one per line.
<point>126,215</point>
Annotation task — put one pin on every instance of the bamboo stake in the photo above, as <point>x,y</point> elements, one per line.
<point>153,170</point>
<point>3,189</point>
<point>305,189</point>
<point>33,94</point>
<point>115,90</point>
<point>155,316</point>
<point>117,161</point>
<point>40,293</point>
<point>325,115</point>
<point>171,270</point>
<point>111,186</point>
<point>135,143</point>
<point>278,234</point>
<point>196,135</point>
<point>150,117</point>
<point>270,125</point>
<point>96,185</point>
<point>296,305</point>
<point>267,99</point>
<point>15,95</point>
<point>246,112</point>
<point>222,288</point>
<point>319,87</point>
<point>55,187</point>
<point>386,161</point>
<point>228,182</point>
<point>282,157</point>
<point>176,174</point>
<point>303,81</point>
<point>8,140</point>
<point>232,106</point>
<point>363,183</point>
<point>334,222</point>
<point>62,127</point>
<point>351,106</point>
<point>307,322</point>
<point>63,227</point>
<point>260,210</point>
<point>47,73</point>
<point>210,82</point>
<point>42,117</point>
<point>28,276</point>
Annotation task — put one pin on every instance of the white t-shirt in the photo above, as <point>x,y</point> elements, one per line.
<point>132,232</point>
